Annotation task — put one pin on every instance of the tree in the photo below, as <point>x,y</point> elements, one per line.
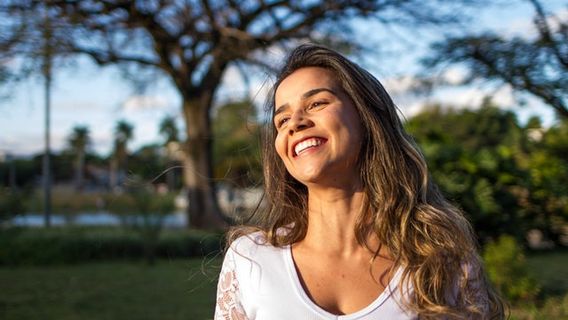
<point>470,155</point>
<point>537,65</point>
<point>169,130</point>
<point>79,141</point>
<point>546,201</point>
<point>5,76</point>
<point>508,179</point>
<point>236,146</point>
<point>119,159</point>
<point>37,41</point>
<point>193,43</point>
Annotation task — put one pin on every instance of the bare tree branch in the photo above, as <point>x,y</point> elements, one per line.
<point>535,66</point>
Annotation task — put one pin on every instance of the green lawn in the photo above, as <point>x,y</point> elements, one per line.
<point>178,289</point>
<point>550,269</point>
<point>551,273</point>
<point>182,289</point>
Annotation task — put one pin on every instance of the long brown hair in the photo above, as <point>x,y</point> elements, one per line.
<point>425,234</point>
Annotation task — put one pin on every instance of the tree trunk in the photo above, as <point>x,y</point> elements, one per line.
<point>203,209</point>
<point>113,177</point>
<point>80,170</point>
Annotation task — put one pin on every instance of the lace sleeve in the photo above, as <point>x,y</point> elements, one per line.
<point>228,305</point>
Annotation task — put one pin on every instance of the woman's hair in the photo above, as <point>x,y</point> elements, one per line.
<point>425,234</point>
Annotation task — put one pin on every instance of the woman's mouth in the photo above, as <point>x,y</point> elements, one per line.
<point>307,144</point>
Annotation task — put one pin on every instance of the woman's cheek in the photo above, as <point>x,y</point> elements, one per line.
<point>280,147</point>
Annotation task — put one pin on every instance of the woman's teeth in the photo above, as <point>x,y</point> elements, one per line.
<point>306,144</point>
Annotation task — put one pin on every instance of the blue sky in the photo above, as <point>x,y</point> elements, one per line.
<point>98,97</point>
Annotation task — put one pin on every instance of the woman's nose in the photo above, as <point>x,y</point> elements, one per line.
<point>298,122</point>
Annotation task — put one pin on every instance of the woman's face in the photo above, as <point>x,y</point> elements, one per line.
<point>318,129</point>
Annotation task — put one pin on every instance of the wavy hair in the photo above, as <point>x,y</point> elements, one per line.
<point>425,234</point>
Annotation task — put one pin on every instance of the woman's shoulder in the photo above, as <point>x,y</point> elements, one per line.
<point>249,241</point>
<point>251,253</point>
<point>255,239</point>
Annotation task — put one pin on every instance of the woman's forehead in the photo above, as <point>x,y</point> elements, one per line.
<point>302,81</point>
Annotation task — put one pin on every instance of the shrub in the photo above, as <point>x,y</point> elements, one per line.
<point>60,245</point>
<point>506,267</point>
<point>11,203</point>
<point>551,308</point>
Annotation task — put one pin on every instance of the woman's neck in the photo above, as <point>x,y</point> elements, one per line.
<point>332,217</point>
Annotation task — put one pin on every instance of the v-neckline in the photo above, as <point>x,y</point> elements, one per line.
<point>299,289</point>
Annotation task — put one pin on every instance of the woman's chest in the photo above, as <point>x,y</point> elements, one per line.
<point>342,286</point>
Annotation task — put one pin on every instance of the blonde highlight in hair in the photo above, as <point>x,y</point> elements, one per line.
<point>425,234</point>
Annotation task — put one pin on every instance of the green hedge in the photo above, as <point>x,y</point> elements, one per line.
<point>64,245</point>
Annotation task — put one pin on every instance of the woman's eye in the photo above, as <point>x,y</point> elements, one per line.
<point>316,104</point>
<point>281,122</point>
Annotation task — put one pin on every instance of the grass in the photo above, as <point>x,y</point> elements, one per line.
<point>185,289</point>
<point>550,269</point>
<point>177,289</point>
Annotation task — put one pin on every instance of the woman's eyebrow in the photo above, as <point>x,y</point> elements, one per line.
<point>306,95</point>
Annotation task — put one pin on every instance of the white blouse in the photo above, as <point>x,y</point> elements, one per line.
<point>259,281</point>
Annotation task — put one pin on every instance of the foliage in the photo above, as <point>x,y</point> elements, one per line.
<point>549,269</point>
<point>552,308</point>
<point>535,65</point>
<point>236,147</point>
<point>505,180</point>
<point>22,246</point>
<point>123,133</point>
<point>67,201</point>
<point>143,211</point>
<point>79,141</point>
<point>147,163</point>
<point>11,203</point>
<point>507,270</point>
<point>545,199</point>
<point>169,129</point>
<point>5,77</point>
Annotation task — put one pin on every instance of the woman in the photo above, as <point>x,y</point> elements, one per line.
<point>354,228</point>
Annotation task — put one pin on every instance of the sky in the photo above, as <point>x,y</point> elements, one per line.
<point>85,94</point>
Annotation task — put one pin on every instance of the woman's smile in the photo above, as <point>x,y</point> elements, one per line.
<point>306,145</point>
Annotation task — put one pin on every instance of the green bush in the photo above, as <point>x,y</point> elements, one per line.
<point>32,246</point>
<point>551,308</point>
<point>11,203</point>
<point>66,201</point>
<point>507,270</point>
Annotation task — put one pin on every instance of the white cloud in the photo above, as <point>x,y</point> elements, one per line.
<point>400,85</point>
<point>523,24</point>
<point>144,102</point>
<point>454,75</point>
<point>31,143</point>
<point>75,105</point>
<point>504,97</point>
<point>102,141</point>
<point>233,79</point>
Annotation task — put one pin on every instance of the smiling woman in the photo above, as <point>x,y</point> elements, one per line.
<point>354,228</point>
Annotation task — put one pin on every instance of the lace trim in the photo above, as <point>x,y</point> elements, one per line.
<point>228,305</point>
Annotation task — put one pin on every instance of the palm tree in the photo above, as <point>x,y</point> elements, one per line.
<point>169,130</point>
<point>119,160</point>
<point>79,141</point>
